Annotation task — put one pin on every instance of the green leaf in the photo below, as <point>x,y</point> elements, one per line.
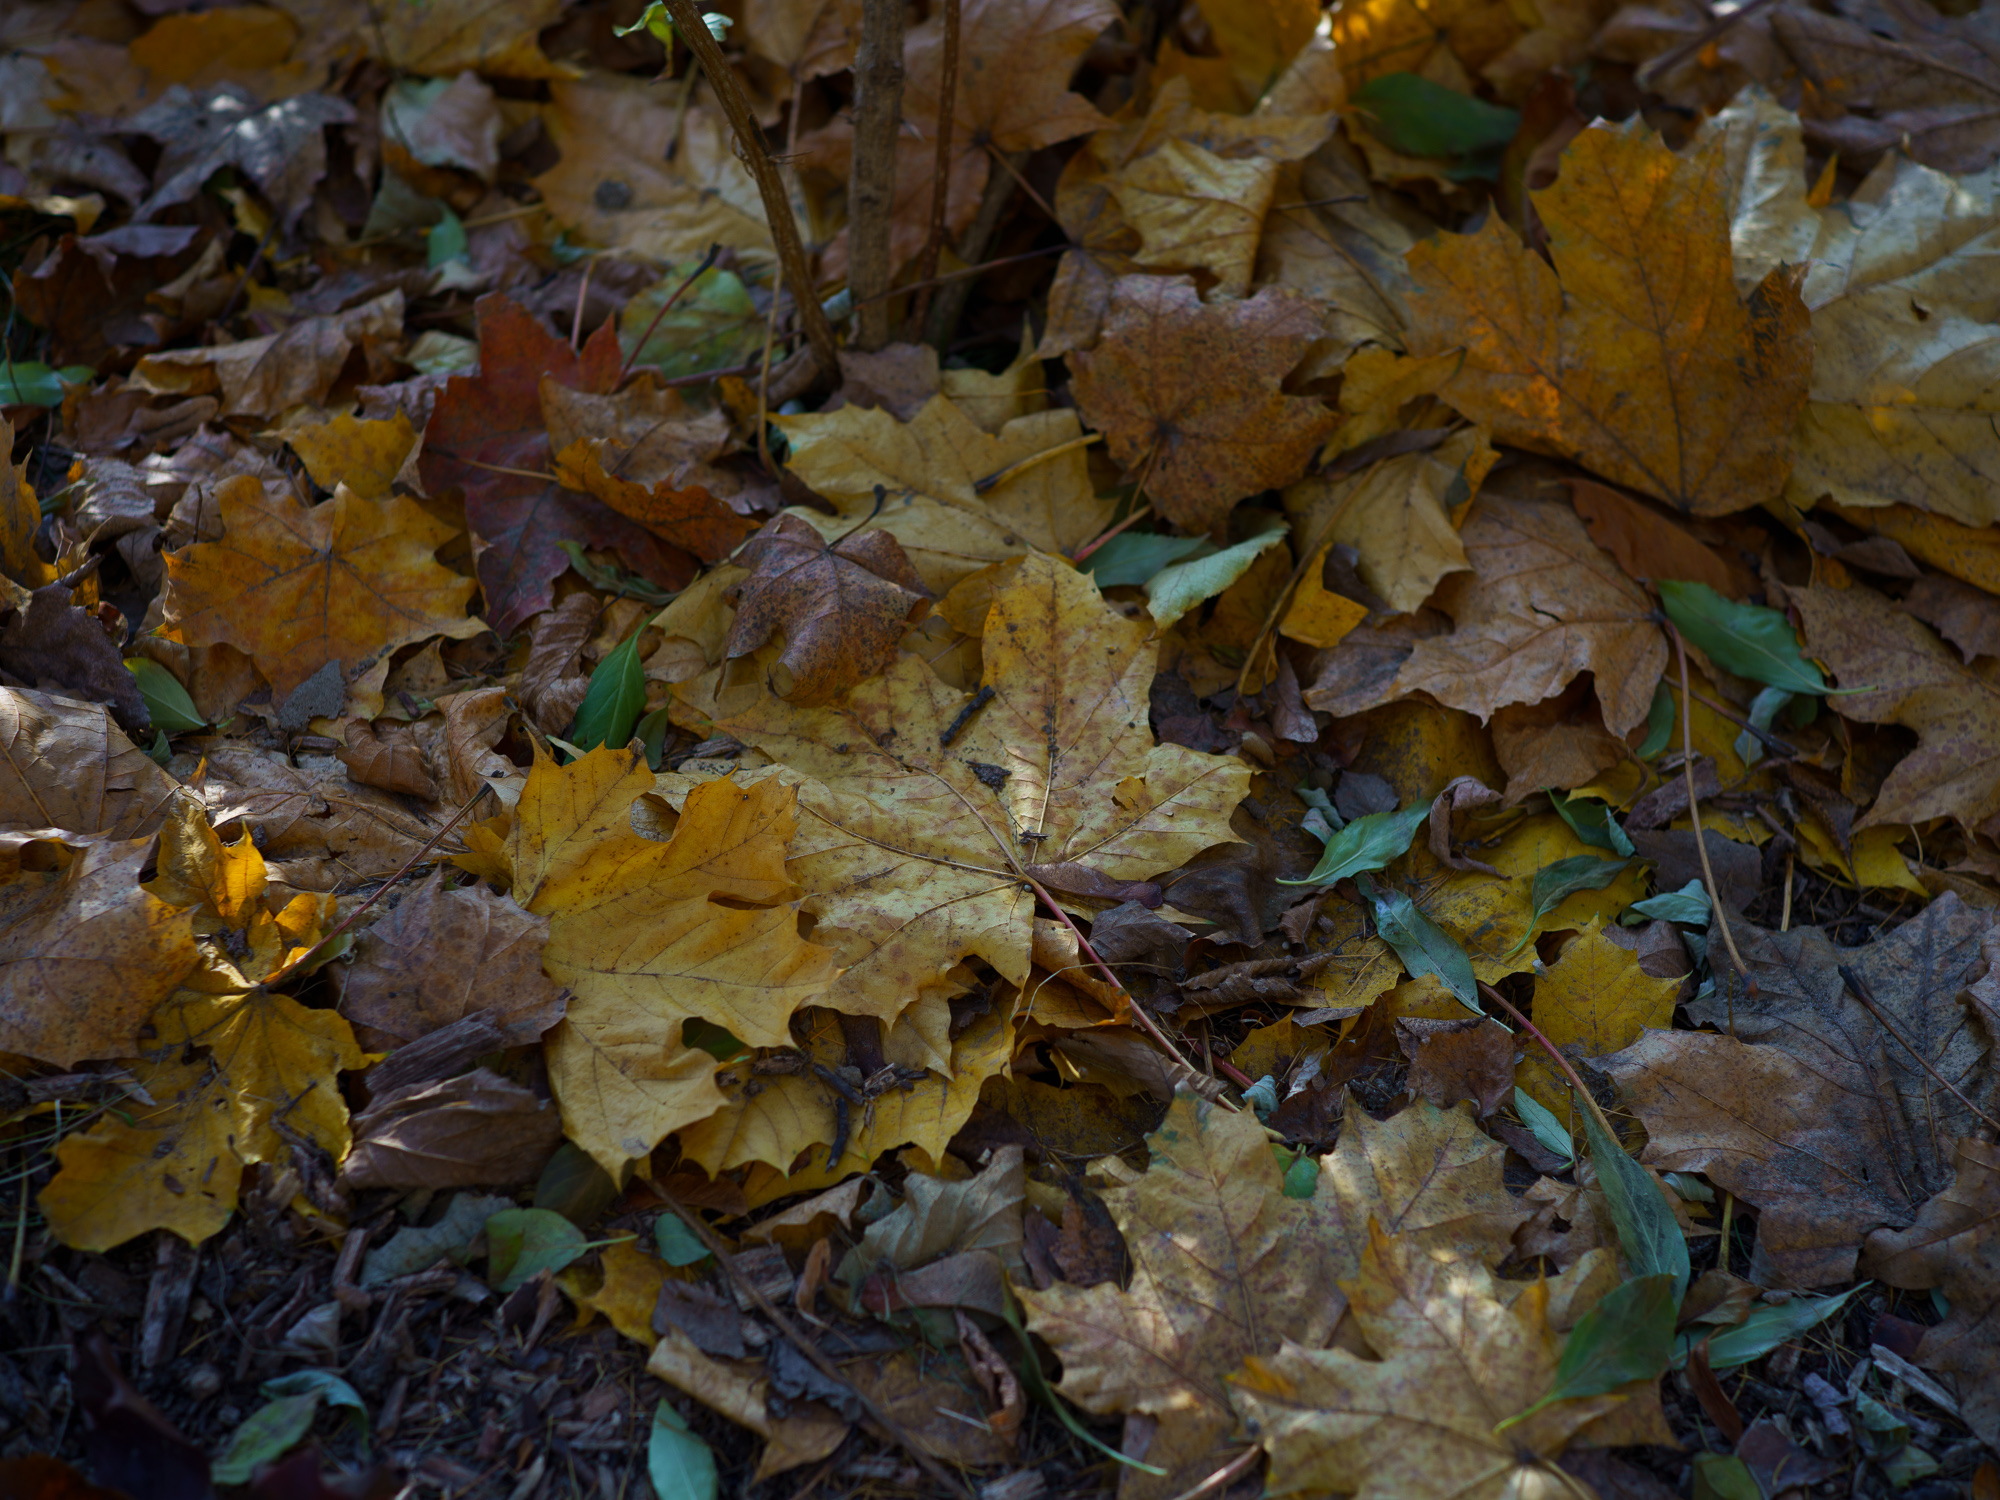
<point>1659,722</point>
<point>1423,946</point>
<point>1592,822</point>
<point>629,584</point>
<point>1556,883</point>
<point>654,19</point>
<point>716,1041</point>
<point>1302,1176</point>
<point>1763,709</point>
<point>1628,1336</point>
<point>1768,1326</point>
<point>267,1434</point>
<point>166,700</point>
<point>574,1185</point>
<point>446,241</point>
<point>615,698</point>
<point>1724,1476</point>
<point>1688,904</point>
<point>328,1386</point>
<point>715,325</point>
<point>1417,117</point>
<point>1544,1124</point>
<point>1132,557</point>
<point>1173,591</point>
<point>679,1463</point>
<point>29,382</point>
<point>1368,843</point>
<point>678,1244</point>
<point>1647,1231</point>
<point>521,1243</point>
<point>1747,639</point>
<point>651,733</point>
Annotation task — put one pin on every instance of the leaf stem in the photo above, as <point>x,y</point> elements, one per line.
<point>1575,1080</point>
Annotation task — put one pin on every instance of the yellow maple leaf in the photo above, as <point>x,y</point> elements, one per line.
<point>1596,1000</point>
<point>1634,356</point>
<point>363,455</point>
<point>299,586</point>
<point>923,808</point>
<point>231,1077</point>
<point>650,934</point>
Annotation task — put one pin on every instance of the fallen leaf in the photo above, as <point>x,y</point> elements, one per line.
<point>281,147</point>
<point>1603,359</point>
<point>1647,545</point>
<point>1469,1058</point>
<point>87,953</point>
<point>924,807</point>
<point>950,500</point>
<point>445,954</point>
<point>298,587</point>
<point>1543,604</point>
<point>1189,399</point>
<point>232,1077</point>
<point>265,377</point>
<point>478,1129</point>
<point>1952,1247</point>
<point>57,644</point>
<point>1910,678</point>
<point>1453,1363</point>
<point>741,1391</point>
<point>689,517</point>
<point>842,607</point>
<point>639,936</point>
<point>365,456</point>
<point>487,436</point>
<point>1593,1001</point>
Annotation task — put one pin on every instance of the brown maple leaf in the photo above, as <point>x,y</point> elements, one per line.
<point>1189,396</point>
<point>842,607</point>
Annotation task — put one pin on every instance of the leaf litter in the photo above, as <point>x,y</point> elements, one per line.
<point>1260,761</point>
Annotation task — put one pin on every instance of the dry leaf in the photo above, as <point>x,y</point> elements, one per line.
<point>476,1130</point>
<point>1057,766</point>
<point>69,767</point>
<point>1634,355</point>
<point>1189,399</point>
<point>298,587</point>
<point>1594,1000</point>
<point>842,607</point>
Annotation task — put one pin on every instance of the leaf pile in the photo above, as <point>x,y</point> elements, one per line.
<point>1267,753</point>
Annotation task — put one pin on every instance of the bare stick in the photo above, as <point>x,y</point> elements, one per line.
<point>871,184</point>
<point>1575,1082</point>
<point>689,25</point>
<point>408,865</point>
<point>883,1422</point>
<point>1700,841</point>
<point>927,263</point>
<point>972,245</point>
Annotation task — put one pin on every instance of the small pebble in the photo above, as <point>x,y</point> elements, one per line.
<point>202,1382</point>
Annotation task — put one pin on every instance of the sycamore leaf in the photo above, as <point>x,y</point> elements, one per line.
<point>1634,355</point>
<point>648,935</point>
<point>1227,1266</point>
<point>296,587</point>
<point>1911,678</point>
<point>1418,1423</point>
<point>233,1078</point>
<point>947,502</point>
<point>1542,603</point>
<point>85,952</point>
<point>1189,396</point>
<point>843,608</point>
<point>923,807</point>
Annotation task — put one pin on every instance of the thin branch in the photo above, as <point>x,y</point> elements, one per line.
<point>1700,841</point>
<point>409,864</point>
<point>871,182</point>
<point>690,27</point>
<point>972,245</point>
<point>714,253</point>
<point>927,263</point>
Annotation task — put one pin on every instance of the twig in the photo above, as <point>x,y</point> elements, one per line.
<point>409,864</point>
<point>582,296</point>
<point>689,25</point>
<point>1555,1056</point>
<point>1785,916</point>
<point>1225,1476</point>
<point>945,311</point>
<point>1667,61</point>
<point>886,1424</point>
<point>927,263</point>
<point>871,181</point>
<point>1020,466</point>
<point>714,253</point>
<point>1146,1023</point>
<point>1770,741</point>
<point>1139,514</point>
<point>1858,987</point>
<point>1700,840</point>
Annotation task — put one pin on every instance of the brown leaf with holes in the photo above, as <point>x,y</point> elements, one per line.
<point>1189,396</point>
<point>842,608</point>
